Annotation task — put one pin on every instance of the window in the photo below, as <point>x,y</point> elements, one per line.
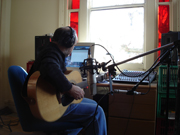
<point>126,28</point>
<point>119,27</point>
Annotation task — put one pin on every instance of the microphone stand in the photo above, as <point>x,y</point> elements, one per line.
<point>131,92</point>
<point>111,70</point>
<point>177,109</point>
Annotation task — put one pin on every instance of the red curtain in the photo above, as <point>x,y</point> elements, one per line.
<point>75,4</point>
<point>74,20</point>
<point>163,0</point>
<point>163,22</point>
<point>74,16</point>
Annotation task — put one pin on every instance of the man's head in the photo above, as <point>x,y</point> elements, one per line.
<point>66,38</point>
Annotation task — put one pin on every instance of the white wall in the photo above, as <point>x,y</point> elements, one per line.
<point>4,48</point>
<point>22,20</point>
<point>30,18</point>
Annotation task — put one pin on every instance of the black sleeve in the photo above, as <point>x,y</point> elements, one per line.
<point>51,68</point>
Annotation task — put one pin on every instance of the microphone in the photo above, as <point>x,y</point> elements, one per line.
<point>91,74</point>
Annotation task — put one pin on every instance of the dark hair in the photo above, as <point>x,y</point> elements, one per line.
<point>65,37</point>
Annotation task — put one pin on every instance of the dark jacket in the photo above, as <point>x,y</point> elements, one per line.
<point>51,64</point>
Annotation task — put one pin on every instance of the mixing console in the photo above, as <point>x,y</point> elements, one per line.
<point>133,77</point>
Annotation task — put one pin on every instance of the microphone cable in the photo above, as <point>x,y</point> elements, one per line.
<point>106,51</point>
<point>129,116</point>
<point>115,62</point>
<point>125,74</point>
<point>96,110</point>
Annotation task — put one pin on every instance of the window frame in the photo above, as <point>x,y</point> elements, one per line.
<point>150,27</point>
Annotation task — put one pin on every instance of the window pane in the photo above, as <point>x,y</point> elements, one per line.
<point>101,3</point>
<point>121,31</point>
<point>163,0</point>
<point>74,20</point>
<point>75,4</point>
<point>163,22</point>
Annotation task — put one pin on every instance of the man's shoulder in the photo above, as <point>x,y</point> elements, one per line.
<point>50,49</point>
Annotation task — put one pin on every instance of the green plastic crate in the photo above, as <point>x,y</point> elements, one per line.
<point>161,104</point>
<point>162,79</point>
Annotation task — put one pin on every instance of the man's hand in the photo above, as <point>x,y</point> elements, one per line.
<point>76,92</point>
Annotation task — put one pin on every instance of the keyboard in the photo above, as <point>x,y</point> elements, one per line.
<point>121,78</point>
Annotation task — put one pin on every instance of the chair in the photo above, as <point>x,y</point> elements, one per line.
<point>29,123</point>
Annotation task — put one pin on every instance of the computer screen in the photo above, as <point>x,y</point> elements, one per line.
<point>79,53</point>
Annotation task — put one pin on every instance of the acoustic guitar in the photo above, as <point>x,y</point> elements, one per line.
<point>44,103</point>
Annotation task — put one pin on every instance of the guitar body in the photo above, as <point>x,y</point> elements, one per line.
<point>43,103</point>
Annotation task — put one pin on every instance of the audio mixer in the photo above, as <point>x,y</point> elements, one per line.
<point>133,77</point>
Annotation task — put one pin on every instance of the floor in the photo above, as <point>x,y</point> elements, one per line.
<point>15,126</point>
<point>16,130</point>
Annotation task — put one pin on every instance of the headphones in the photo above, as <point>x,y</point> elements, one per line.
<point>68,40</point>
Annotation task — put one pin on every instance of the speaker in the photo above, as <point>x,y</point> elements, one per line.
<point>40,43</point>
<point>168,38</point>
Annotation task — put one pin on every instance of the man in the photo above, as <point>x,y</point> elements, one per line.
<point>51,64</point>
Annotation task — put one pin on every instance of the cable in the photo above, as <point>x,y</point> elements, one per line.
<point>105,49</point>
<point>96,110</point>
<point>118,67</point>
<point>148,90</point>
<point>129,116</point>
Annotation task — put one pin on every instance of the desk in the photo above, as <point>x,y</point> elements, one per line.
<point>131,114</point>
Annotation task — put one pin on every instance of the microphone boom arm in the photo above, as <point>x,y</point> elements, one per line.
<point>143,54</point>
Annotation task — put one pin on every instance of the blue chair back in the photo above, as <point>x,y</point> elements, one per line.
<point>17,76</point>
